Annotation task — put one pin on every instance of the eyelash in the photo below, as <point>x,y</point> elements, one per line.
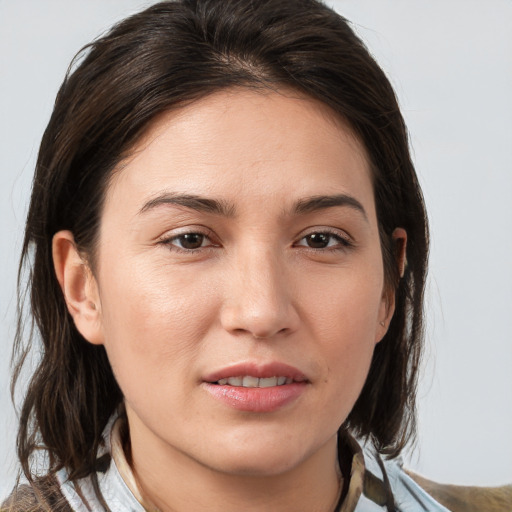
<point>343,243</point>
<point>170,242</point>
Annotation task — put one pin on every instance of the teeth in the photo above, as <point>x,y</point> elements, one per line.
<point>248,381</point>
<point>268,382</point>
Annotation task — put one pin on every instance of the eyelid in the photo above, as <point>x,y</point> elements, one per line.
<point>345,239</point>
<point>169,237</point>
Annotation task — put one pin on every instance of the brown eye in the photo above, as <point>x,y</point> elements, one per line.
<point>318,240</point>
<point>189,241</point>
<point>324,240</point>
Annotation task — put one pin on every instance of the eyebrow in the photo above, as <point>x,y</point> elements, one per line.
<point>192,201</point>
<point>315,203</point>
<point>225,209</point>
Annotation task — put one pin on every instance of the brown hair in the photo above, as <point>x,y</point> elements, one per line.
<point>162,58</point>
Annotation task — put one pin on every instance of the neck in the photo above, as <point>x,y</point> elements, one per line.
<point>171,481</point>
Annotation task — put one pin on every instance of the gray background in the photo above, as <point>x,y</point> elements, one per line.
<point>451,64</point>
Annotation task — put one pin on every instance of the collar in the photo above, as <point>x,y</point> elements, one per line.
<point>119,458</point>
<point>350,456</point>
<point>362,490</point>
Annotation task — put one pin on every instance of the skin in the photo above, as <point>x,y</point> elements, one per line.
<point>255,291</point>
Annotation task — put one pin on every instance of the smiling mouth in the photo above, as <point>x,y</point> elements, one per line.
<point>256,388</point>
<point>249,381</point>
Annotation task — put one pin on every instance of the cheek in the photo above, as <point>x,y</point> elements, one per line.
<point>344,304</point>
<point>148,297</point>
<point>343,318</point>
<point>152,321</point>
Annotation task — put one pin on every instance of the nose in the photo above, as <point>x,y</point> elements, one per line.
<point>259,296</point>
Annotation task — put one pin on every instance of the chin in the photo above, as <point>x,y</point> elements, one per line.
<point>262,455</point>
<point>259,466</point>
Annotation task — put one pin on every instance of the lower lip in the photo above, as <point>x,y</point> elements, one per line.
<point>256,399</point>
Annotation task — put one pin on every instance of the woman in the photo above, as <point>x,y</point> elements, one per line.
<point>228,247</point>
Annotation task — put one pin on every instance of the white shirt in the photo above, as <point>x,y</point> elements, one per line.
<point>120,491</point>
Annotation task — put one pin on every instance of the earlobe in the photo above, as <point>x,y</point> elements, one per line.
<point>385,314</point>
<point>78,286</point>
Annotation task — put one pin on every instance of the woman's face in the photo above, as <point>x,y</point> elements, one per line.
<point>238,248</point>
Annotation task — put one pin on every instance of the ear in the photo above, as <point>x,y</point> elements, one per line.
<point>78,286</point>
<point>400,240</point>
<point>388,297</point>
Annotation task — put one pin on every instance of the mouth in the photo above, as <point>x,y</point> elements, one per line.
<point>256,375</point>
<point>256,388</point>
<point>250,381</point>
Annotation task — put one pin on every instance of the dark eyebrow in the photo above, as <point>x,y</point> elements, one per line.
<point>194,202</point>
<point>311,204</point>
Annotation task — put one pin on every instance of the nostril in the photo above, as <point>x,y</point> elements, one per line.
<point>270,335</point>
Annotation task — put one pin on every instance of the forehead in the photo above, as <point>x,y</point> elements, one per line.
<point>243,142</point>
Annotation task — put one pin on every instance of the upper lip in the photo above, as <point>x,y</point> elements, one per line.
<point>274,369</point>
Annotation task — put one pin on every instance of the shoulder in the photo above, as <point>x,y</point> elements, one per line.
<point>377,484</point>
<point>42,496</point>
<point>412,491</point>
<point>466,498</point>
<point>387,484</point>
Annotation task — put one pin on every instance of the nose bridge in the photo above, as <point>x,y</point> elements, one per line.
<point>258,299</point>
